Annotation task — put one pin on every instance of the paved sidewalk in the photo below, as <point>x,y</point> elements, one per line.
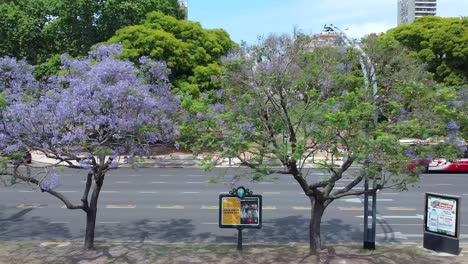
<point>56,252</point>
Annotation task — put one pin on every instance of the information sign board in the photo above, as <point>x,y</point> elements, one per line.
<point>442,215</point>
<point>235,212</point>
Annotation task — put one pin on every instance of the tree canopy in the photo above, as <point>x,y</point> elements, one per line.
<point>442,43</point>
<point>291,108</point>
<point>38,30</point>
<point>85,118</point>
<point>191,52</point>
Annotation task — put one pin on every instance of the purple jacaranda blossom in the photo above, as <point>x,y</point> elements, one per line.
<point>247,127</point>
<point>199,115</point>
<point>336,107</point>
<point>217,107</point>
<point>94,103</point>
<point>452,127</point>
<point>219,93</point>
<point>52,182</point>
<point>313,127</point>
<point>410,153</point>
<point>177,145</point>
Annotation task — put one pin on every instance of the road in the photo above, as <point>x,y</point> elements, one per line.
<point>180,205</point>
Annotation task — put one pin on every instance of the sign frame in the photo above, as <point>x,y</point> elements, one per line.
<point>248,197</point>
<point>457,214</point>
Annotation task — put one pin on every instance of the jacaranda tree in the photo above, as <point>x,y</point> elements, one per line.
<point>96,110</point>
<point>292,108</point>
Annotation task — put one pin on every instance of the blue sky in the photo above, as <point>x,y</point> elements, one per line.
<point>247,19</point>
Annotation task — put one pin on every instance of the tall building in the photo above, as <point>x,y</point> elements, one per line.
<point>184,5</point>
<point>409,10</point>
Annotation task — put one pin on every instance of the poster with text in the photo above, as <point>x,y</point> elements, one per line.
<point>244,213</point>
<point>441,214</point>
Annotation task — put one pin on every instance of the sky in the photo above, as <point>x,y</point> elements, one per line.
<point>245,20</point>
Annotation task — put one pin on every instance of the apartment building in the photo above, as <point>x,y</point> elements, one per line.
<point>409,10</point>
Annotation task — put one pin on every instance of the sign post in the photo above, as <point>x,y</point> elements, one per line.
<point>442,223</point>
<point>240,209</point>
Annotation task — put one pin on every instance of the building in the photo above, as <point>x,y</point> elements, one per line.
<point>409,10</point>
<point>184,5</point>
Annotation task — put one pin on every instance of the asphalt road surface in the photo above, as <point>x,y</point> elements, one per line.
<point>181,205</point>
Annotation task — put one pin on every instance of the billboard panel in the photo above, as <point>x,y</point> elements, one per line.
<point>442,214</point>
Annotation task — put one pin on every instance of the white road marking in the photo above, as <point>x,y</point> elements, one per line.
<point>210,207</point>
<point>158,182</point>
<point>58,222</point>
<point>170,207</point>
<point>388,193</point>
<point>196,175</point>
<point>209,223</point>
<point>198,182</point>
<point>443,184</point>
<point>269,207</point>
<point>190,192</point>
<point>271,193</point>
<point>108,222</point>
<point>265,182</point>
<point>25,191</point>
<point>121,206</point>
<point>418,216</point>
<point>166,175</point>
<point>358,200</point>
<point>147,192</point>
<point>108,191</point>
<point>122,182</point>
<point>67,191</point>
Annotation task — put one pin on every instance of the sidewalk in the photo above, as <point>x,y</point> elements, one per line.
<point>56,252</point>
<point>173,160</point>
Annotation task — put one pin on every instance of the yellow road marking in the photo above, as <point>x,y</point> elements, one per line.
<point>31,206</point>
<point>269,207</point>
<point>350,208</point>
<point>400,209</point>
<point>210,207</point>
<point>121,206</point>
<point>301,208</point>
<point>170,207</point>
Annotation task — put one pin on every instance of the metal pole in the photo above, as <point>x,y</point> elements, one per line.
<point>369,73</point>
<point>374,213</point>
<point>239,238</point>
<point>366,212</point>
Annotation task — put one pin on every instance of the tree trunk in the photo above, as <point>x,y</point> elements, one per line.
<point>91,217</point>
<point>315,243</point>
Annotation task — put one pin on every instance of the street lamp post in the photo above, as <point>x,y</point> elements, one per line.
<point>368,71</point>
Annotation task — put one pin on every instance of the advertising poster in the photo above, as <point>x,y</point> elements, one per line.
<point>249,211</point>
<point>441,214</point>
<point>231,211</point>
<point>237,212</point>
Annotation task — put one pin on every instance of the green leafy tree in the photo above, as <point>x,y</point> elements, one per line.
<point>41,30</point>
<point>292,108</point>
<point>442,43</point>
<point>192,53</point>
